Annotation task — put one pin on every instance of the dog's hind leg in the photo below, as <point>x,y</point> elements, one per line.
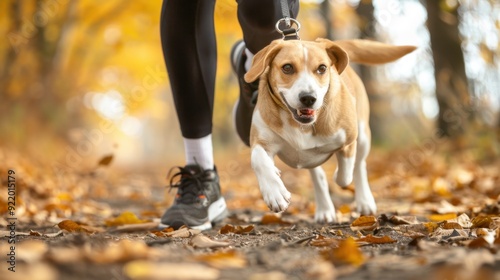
<point>325,211</point>
<point>365,203</point>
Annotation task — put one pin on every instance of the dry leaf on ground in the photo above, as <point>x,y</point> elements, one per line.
<point>272,218</point>
<point>364,223</point>
<point>142,270</point>
<point>224,259</point>
<point>376,239</point>
<point>124,219</point>
<point>236,229</point>
<point>72,226</point>
<point>322,241</point>
<point>347,253</point>
<point>203,241</point>
<point>123,250</point>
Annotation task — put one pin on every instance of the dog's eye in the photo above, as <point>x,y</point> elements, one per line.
<point>287,69</point>
<point>321,69</point>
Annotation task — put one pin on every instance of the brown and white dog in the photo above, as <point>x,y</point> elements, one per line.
<point>311,105</point>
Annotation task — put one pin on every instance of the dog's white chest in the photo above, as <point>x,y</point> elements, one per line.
<point>306,150</point>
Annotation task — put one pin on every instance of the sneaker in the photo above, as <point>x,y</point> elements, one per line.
<point>198,202</point>
<point>243,108</point>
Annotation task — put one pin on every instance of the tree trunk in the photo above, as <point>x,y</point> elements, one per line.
<point>366,26</point>
<point>451,81</point>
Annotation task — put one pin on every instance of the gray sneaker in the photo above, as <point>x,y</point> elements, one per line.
<point>198,202</point>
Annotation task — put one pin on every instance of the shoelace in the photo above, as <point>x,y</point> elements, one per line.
<point>191,184</point>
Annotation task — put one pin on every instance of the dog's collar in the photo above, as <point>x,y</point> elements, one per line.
<point>275,98</point>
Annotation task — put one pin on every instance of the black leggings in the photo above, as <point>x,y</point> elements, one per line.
<point>189,49</point>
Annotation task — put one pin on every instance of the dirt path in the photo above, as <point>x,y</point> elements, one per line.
<point>437,223</point>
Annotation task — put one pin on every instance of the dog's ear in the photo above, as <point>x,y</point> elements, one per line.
<point>337,54</point>
<point>261,60</point>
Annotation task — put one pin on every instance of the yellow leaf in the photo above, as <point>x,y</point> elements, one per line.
<point>364,223</point>
<point>224,259</point>
<point>442,217</point>
<point>345,209</point>
<point>347,253</point>
<point>125,218</point>
<point>431,226</point>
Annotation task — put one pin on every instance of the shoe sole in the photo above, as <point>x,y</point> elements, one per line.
<point>217,211</point>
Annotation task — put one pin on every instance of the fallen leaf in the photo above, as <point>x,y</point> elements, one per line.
<point>347,253</point>
<point>72,226</point>
<point>481,222</point>
<point>142,270</point>
<point>35,233</point>
<point>124,219</point>
<point>431,226</point>
<point>445,234</point>
<point>123,250</point>
<point>202,241</point>
<point>344,209</point>
<point>136,227</point>
<point>236,229</point>
<point>322,241</point>
<point>451,225</point>
<point>376,239</point>
<point>442,217</point>
<point>364,223</point>
<point>224,259</point>
<point>404,220</point>
<point>105,160</point>
<point>183,232</point>
<point>487,234</point>
<point>479,242</point>
<point>272,218</point>
<point>464,221</point>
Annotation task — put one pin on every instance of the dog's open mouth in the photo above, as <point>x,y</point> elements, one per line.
<point>305,115</point>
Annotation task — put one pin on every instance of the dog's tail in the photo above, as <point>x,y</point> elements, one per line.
<point>372,52</point>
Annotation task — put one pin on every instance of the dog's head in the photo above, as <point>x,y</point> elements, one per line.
<point>300,74</point>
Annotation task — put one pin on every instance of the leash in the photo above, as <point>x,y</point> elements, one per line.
<point>289,32</point>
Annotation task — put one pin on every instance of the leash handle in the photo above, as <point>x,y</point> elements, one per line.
<point>289,33</point>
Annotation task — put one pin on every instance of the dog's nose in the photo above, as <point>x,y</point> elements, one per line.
<point>307,99</point>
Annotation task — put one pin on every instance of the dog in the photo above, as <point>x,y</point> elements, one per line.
<point>311,104</point>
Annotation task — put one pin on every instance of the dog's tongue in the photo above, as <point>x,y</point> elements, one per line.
<point>307,112</point>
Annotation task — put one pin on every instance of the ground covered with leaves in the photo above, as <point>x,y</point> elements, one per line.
<point>438,218</point>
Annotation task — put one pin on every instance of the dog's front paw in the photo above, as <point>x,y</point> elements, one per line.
<point>365,204</point>
<point>276,196</point>
<point>327,216</point>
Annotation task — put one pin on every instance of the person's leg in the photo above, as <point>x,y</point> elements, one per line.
<point>257,20</point>
<point>189,48</point>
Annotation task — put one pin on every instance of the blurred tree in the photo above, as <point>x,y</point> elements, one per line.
<point>451,81</point>
<point>366,25</point>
